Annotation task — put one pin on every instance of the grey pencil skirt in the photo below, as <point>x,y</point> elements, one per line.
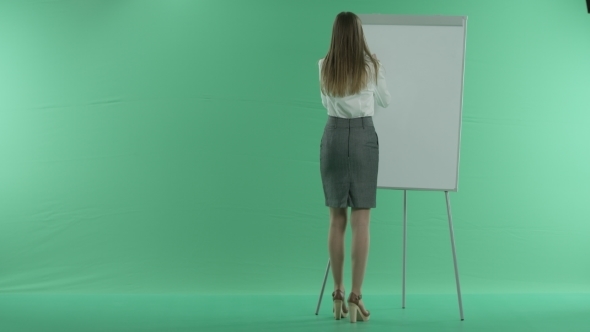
<point>349,161</point>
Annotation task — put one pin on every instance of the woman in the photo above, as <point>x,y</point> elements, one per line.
<point>351,80</point>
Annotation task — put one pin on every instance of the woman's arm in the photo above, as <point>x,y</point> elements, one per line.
<point>324,99</point>
<point>382,95</point>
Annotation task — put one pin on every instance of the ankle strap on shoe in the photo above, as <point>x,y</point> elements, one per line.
<point>338,295</point>
<point>352,297</point>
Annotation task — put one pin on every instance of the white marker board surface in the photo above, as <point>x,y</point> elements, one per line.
<point>419,132</point>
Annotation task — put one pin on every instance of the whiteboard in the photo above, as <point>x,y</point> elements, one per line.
<point>420,131</point>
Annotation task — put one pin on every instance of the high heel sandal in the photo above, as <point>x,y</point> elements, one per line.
<point>356,309</point>
<point>339,309</point>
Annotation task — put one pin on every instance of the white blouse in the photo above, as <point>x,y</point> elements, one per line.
<point>360,104</point>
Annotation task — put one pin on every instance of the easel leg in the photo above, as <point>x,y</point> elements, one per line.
<point>454,254</point>
<point>404,253</point>
<point>323,287</point>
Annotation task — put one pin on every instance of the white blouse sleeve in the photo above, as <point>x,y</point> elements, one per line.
<point>382,95</point>
<point>324,99</point>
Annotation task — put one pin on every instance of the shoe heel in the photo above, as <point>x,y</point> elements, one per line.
<point>338,309</point>
<point>352,310</point>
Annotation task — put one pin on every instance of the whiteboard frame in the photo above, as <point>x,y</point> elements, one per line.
<point>433,20</point>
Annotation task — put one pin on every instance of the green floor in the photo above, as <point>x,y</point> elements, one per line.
<point>42,312</point>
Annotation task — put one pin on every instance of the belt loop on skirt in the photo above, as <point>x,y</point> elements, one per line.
<point>363,122</point>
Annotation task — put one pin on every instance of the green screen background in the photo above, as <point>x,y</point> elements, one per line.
<point>173,146</point>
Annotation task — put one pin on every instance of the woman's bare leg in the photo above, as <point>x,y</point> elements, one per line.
<point>360,246</point>
<point>336,244</point>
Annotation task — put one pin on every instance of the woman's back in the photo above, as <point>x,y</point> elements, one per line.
<point>362,103</point>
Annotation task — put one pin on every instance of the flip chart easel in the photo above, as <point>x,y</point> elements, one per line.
<point>420,131</point>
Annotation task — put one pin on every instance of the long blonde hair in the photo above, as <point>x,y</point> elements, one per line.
<point>345,70</point>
